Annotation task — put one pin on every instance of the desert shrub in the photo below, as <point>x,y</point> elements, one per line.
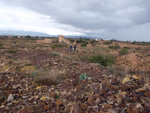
<point>83,45</point>
<point>116,46</point>
<point>138,48</point>
<point>107,42</point>
<point>53,54</point>
<point>11,51</point>
<point>126,48</point>
<point>81,41</point>
<point>1,44</point>
<point>123,52</point>
<point>14,42</point>
<point>105,60</point>
<point>57,45</point>
<point>93,41</point>
<point>85,58</point>
<point>49,77</point>
<point>72,40</point>
<point>146,49</point>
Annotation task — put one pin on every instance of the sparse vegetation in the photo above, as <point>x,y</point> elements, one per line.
<point>116,46</point>
<point>105,60</point>
<point>58,45</point>
<point>107,42</point>
<point>1,44</point>
<point>83,45</point>
<point>124,51</point>
<point>11,51</point>
<point>53,54</point>
<point>126,47</point>
<point>72,40</point>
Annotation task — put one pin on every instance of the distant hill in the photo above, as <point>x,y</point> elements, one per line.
<point>32,33</point>
<point>22,33</point>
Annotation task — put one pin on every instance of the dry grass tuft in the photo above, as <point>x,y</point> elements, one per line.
<point>49,77</point>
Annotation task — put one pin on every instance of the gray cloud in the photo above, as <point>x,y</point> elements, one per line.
<point>101,17</point>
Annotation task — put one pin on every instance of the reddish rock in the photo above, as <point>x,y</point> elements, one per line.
<point>83,106</point>
<point>45,107</point>
<point>106,106</point>
<point>125,87</point>
<point>147,94</point>
<point>59,102</point>
<point>135,98</point>
<point>52,95</point>
<point>133,110</point>
<point>90,100</point>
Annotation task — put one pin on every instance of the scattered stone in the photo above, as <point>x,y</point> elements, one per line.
<point>139,107</point>
<point>106,106</point>
<point>16,86</point>
<point>126,79</point>
<point>10,98</point>
<point>73,108</point>
<point>59,102</point>
<point>44,98</point>
<point>84,106</point>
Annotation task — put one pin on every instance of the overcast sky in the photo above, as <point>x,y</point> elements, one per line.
<point>119,19</point>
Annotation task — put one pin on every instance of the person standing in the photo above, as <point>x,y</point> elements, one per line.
<point>71,48</point>
<point>74,48</point>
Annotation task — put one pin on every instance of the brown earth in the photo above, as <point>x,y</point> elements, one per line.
<point>134,62</point>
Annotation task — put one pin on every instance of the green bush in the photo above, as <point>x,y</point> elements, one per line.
<point>107,42</point>
<point>93,41</point>
<point>81,41</point>
<point>72,40</point>
<point>83,45</point>
<point>114,47</point>
<point>56,45</point>
<point>124,51</point>
<point>105,60</point>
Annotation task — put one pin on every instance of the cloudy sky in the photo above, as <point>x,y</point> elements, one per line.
<point>119,19</point>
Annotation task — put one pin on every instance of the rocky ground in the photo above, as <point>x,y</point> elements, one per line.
<point>101,92</point>
<point>86,87</point>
